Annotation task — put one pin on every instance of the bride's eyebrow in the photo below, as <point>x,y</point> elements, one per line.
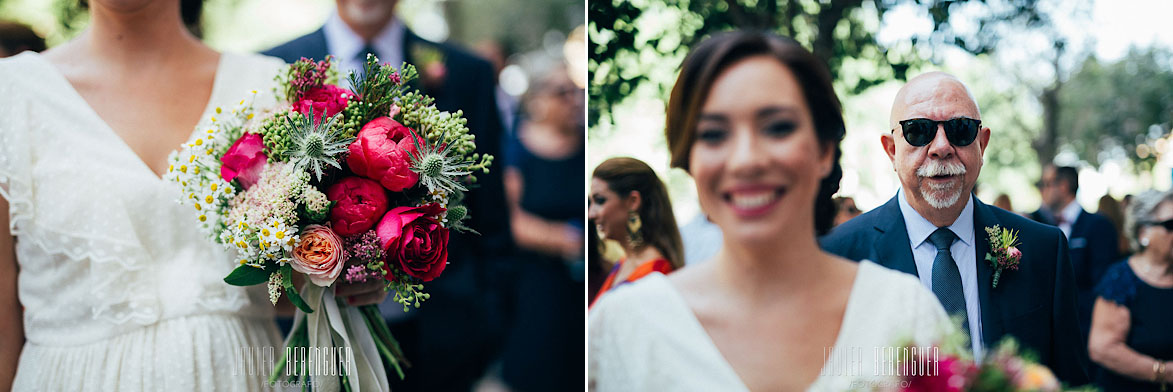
<point>771,111</point>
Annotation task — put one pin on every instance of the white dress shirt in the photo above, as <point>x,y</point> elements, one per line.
<point>1068,214</point>
<point>964,254</point>
<point>345,45</point>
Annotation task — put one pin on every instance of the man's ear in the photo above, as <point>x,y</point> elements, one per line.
<point>888,141</point>
<point>984,139</point>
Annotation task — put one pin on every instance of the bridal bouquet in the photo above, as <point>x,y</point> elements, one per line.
<point>334,184</point>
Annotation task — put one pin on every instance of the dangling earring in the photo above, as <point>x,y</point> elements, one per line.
<point>634,235</point>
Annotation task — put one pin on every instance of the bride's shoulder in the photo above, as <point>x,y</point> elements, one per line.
<point>882,283</point>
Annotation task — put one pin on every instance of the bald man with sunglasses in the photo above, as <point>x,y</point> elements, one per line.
<point>935,228</point>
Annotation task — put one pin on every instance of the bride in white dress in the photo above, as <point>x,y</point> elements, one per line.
<point>761,140</point>
<point>117,289</point>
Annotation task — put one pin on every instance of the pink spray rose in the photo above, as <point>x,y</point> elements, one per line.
<point>244,160</point>
<point>360,204</point>
<point>381,153</point>
<point>413,239</point>
<point>328,99</point>
<point>1013,253</point>
<point>319,255</point>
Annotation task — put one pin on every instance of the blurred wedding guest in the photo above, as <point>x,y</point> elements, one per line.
<point>702,239</point>
<point>1114,211</point>
<point>630,205</point>
<point>1132,328</point>
<point>451,341</point>
<point>507,105</point>
<point>936,229</point>
<point>105,283</point>
<point>16,37</point>
<point>1003,202</point>
<point>845,210</point>
<point>754,119</point>
<point>543,350</point>
<point>1092,239</point>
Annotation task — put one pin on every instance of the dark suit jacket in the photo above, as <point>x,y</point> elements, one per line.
<point>1035,304</point>
<point>1093,247</point>
<point>456,331</point>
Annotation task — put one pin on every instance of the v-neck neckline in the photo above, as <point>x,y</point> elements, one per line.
<point>217,81</point>
<point>695,323</point>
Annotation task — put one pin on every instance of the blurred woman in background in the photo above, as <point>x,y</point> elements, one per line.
<point>542,185</point>
<point>1132,325</point>
<point>629,205</point>
<point>1114,211</point>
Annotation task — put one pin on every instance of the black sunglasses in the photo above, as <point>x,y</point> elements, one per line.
<point>960,131</point>
<point>1167,224</point>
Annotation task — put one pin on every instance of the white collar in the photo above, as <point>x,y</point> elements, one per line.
<point>920,228</point>
<point>345,45</point>
<point>1071,212</point>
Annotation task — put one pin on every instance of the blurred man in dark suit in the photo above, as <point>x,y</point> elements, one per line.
<point>1093,240</point>
<point>452,338</point>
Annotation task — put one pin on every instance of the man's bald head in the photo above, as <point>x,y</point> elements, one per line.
<point>928,95</point>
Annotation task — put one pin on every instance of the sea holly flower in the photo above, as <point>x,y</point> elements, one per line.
<point>315,144</point>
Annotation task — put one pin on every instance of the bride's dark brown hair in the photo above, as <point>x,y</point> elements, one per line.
<point>713,55</point>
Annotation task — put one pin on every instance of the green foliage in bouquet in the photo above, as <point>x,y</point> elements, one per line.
<point>376,89</point>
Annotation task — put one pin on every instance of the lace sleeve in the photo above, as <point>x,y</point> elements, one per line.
<point>1118,284</point>
<point>15,159</point>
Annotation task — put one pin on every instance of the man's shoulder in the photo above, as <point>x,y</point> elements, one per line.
<point>1097,221</point>
<point>1026,227</point>
<point>856,231</point>
<point>455,56</point>
<point>299,47</point>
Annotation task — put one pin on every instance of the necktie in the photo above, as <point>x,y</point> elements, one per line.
<point>946,276</point>
<point>362,58</point>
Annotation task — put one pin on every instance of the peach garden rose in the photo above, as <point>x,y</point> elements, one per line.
<point>319,255</point>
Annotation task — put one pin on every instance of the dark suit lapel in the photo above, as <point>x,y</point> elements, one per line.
<point>316,47</point>
<point>409,40</point>
<point>892,248</point>
<point>991,318</point>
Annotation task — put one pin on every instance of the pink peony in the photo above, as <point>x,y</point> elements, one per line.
<point>328,99</point>
<point>414,240</point>
<point>244,160</point>
<point>360,204</point>
<point>319,255</point>
<point>381,153</point>
<point>953,375</point>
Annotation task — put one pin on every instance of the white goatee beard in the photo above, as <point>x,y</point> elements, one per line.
<point>941,196</point>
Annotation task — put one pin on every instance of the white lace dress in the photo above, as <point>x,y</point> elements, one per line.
<point>121,291</point>
<point>644,337</point>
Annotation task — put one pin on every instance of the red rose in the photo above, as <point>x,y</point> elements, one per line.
<point>244,160</point>
<point>361,203</point>
<point>412,238</point>
<point>328,99</point>
<point>381,153</point>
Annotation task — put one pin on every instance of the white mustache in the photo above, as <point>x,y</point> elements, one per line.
<point>933,168</point>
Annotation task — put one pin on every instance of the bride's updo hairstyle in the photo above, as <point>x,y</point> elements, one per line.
<point>716,53</point>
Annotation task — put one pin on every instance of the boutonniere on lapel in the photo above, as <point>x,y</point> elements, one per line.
<point>430,60</point>
<point>1004,253</point>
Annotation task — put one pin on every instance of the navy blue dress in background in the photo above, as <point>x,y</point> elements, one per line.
<point>1151,325</point>
<point>544,350</point>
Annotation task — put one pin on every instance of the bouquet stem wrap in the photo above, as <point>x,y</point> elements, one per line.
<point>331,327</point>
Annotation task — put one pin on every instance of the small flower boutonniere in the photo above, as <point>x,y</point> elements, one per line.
<point>1004,253</point>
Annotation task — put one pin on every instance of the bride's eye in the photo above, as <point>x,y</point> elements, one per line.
<point>780,128</point>
<point>711,135</point>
